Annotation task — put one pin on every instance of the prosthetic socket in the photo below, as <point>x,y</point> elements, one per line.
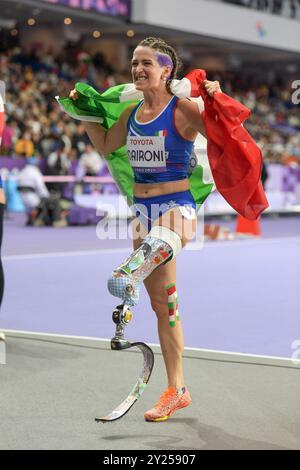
<point>159,247</point>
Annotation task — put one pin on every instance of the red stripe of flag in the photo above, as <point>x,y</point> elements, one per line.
<point>171,290</point>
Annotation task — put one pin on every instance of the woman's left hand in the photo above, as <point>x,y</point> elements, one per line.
<point>212,87</point>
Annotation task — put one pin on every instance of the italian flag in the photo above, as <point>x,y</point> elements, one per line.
<point>106,108</point>
<point>233,161</point>
<point>172,304</point>
<point>161,133</point>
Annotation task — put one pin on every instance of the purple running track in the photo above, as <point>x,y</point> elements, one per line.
<point>240,296</point>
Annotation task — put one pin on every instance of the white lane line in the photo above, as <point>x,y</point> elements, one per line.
<point>61,254</point>
<point>211,354</point>
<point>109,251</point>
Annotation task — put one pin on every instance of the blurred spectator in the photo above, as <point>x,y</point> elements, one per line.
<point>42,207</point>
<point>293,8</point>
<point>24,146</point>
<point>290,8</point>
<point>58,165</point>
<point>58,162</point>
<point>32,189</point>
<point>90,163</point>
<point>35,123</point>
<point>277,7</point>
<point>80,139</point>
<point>8,137</point>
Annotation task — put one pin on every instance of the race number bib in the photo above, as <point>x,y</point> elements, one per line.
<point>147,154</point>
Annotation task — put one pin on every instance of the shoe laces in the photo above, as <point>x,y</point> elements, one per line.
<point>165,398</point>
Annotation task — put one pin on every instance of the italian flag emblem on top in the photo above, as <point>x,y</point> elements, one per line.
<point>161,133</point>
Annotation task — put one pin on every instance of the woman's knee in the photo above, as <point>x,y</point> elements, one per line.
<point>159,305</point>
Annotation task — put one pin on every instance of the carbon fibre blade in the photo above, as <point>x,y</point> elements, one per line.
<point>139,387</point>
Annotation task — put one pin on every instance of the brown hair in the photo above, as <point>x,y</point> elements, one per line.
<point>161,46</point>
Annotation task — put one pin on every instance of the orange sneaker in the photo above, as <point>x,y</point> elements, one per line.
<point>169,402</point>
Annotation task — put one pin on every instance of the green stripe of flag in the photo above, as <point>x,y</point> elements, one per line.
<point>107,107</point>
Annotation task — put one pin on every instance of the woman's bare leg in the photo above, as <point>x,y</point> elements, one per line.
<point>171,338</point>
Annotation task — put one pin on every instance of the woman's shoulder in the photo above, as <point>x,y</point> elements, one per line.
<point>186,105</point>
<point>127,111</point>
<point>188,116</point>
<point>187,110</point>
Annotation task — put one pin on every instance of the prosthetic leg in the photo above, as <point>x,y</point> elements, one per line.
<point>122,316</point>
<point>161,245</point>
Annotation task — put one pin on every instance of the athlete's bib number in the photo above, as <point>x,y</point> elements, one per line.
<point>147,154</point>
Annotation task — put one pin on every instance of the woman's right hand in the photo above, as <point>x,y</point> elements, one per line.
<point>73,95</point>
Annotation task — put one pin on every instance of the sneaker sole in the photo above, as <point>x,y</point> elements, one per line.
<point>165,418</point>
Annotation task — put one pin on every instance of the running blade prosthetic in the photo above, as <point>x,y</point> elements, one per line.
<point>122,316</point>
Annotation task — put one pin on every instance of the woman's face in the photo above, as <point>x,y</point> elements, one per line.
<point>146,72</point>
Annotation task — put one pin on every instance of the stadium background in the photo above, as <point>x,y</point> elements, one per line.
<point>244,296</point>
